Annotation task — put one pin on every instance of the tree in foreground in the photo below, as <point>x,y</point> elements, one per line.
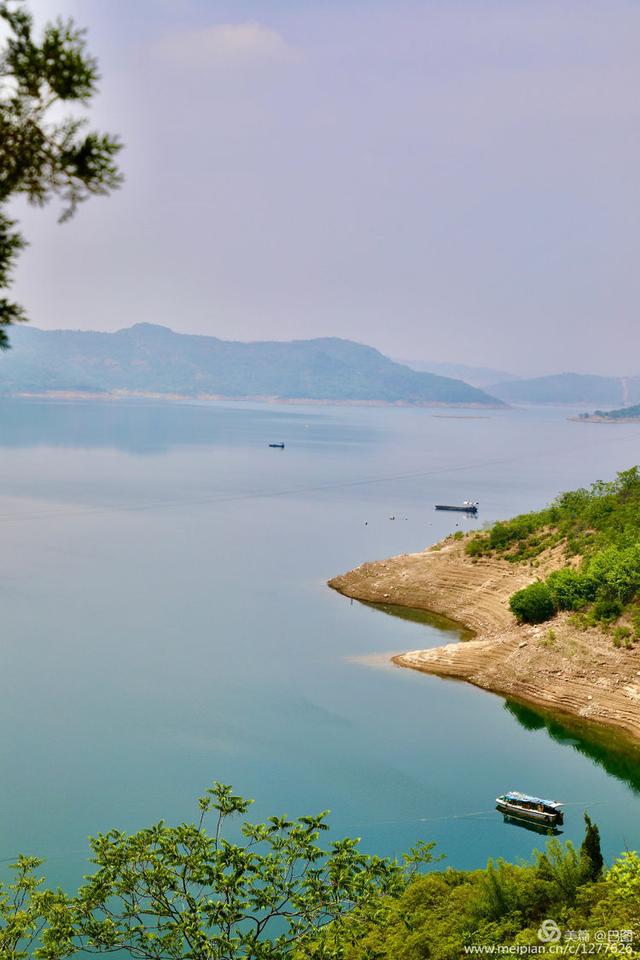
<point>591,851</point>
<point>185,892</point>
<point>33,922</point>
<point>272,893</point>
<point>42,157</point>
<point>450,914</point>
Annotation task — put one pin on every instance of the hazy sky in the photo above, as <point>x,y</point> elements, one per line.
<point>445,179</point>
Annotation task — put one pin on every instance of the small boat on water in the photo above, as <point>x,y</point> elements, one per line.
<point>467,506</point>
<point>277,446</point>
<point>521,806</point>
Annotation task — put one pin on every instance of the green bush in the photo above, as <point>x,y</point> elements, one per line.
<point>475,547</point>
<point>622,636</point>
<point>607,610</point>
<point>570,589</point>
<point>533,604</point>
<point>616,573</point>
<point>507,532</point>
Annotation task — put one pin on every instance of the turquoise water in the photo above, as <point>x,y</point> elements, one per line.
<point>166,622</point>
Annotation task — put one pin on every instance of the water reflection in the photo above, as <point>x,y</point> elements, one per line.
<point>612,751</point>
<point>424,617</point>
<point>534,827</point>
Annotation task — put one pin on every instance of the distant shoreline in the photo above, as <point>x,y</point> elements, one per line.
<point>118,395</point>
<point>554,667</point>
<point>605,419</point>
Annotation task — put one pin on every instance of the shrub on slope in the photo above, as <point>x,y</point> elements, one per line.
<point>599,529</point>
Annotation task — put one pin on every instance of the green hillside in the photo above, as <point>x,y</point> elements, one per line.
<point>599,531</point>
<point>501,910</point>
<point>153,359</point>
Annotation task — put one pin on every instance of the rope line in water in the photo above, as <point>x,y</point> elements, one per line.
<point>266,494</point>
<point>453,816</point>
<point>251,495</point>
<point>388,823</point>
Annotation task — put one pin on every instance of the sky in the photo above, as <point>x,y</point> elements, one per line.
<point>446,180</point>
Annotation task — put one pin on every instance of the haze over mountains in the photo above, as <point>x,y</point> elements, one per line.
<point>147,358</point>
<point>574,388</point>
<point>482,377</point>
<point>558,388</point>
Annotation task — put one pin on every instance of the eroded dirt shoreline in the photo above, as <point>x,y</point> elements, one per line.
<point>555,666</point>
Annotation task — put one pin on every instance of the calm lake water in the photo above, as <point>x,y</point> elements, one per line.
<point>166,622</point>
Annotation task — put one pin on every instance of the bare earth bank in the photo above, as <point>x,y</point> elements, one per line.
<point>555,665</point>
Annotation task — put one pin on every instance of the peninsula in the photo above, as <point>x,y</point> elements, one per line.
<point>621,415</point>
<point>573,654</point>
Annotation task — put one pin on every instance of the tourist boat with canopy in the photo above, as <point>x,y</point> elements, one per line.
<point>534,809</point>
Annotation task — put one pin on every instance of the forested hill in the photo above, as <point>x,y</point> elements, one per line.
<point>569,388</point>
<point>147,358</point>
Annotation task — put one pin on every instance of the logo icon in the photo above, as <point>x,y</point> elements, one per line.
<point>549,932</point>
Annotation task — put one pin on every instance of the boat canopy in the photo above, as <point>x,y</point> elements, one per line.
<point>520,797</point>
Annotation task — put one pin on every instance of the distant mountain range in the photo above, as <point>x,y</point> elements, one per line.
<point>575,388</point>
<point>151,359</point>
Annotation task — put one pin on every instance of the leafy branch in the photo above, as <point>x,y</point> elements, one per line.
<point>42,158</point>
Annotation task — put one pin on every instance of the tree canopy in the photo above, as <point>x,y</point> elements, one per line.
<point>44,155</point>
<point>169,892</point>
